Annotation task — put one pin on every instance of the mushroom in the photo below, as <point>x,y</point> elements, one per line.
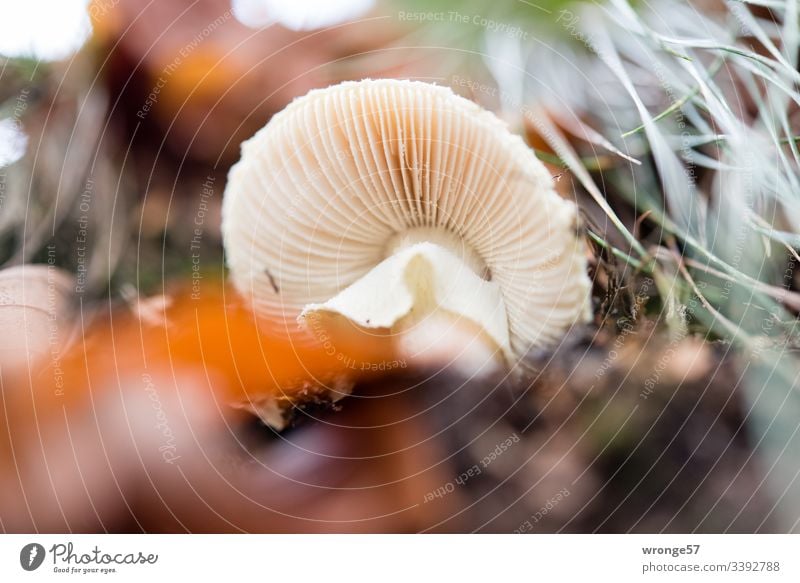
<point>35,313</point>
<point>392,206</point>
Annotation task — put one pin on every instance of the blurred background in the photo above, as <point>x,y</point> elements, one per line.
<point>672,124</point>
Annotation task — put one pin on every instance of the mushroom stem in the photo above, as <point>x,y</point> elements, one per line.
<point>435,296</point>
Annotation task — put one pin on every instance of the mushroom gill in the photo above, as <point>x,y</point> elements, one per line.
<point>398,206</point>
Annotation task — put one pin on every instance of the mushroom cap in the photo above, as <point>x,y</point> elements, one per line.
<point>346,176</point>
<point>36,305</point>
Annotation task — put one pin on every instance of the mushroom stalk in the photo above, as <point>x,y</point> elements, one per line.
<point>431,290</point>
